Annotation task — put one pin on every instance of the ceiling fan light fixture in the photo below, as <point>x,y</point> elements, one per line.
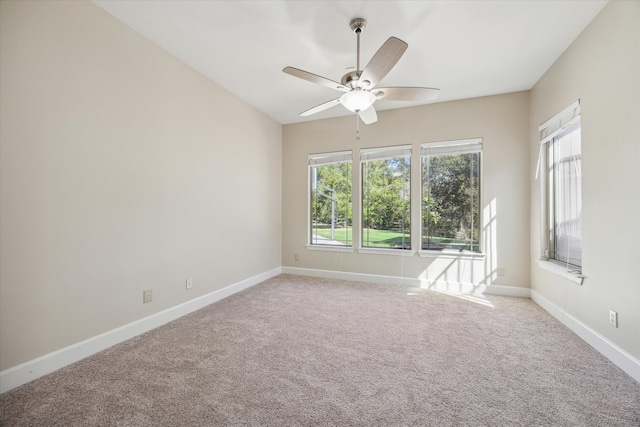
<point>357,100</point>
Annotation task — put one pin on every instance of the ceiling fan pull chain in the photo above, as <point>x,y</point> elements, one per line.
<point>357,126</point>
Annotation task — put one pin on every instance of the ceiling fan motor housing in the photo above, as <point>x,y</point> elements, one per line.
<point>351,79</point>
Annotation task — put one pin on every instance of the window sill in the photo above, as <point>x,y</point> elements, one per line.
<point>330,248</point>
<point>383,251</point>
<point>561,271</point>
<point>450,254</point>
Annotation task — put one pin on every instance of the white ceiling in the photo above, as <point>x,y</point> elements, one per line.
<point>465,48</point>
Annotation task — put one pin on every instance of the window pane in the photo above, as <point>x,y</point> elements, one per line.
<point>451,201</point>
<point>331,204</point>
<point>386,203</point>
<point>566,205</point>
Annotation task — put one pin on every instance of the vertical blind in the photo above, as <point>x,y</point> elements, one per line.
<point>567,191</point>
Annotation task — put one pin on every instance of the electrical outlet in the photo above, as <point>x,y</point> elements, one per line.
<point>613,318</point>
<point>296,257</point>
<point>189,283</point>
<point>501,271</point>
<point>147,296</point>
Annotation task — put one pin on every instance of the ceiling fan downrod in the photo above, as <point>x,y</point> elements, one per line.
<point>358,25</point>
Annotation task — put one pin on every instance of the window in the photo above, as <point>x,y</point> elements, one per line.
<point>451,195</point>
<point>560,139</point>
<point>330,201</point>
<point>386,197</point>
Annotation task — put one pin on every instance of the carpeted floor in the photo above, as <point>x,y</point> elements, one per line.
<point>305,351</point>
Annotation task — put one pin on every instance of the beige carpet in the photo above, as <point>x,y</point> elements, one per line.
<point>304,351</point>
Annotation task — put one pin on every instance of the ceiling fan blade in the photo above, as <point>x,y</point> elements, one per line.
<point>313,78</point>
<point>321,107</point>
<point>382,62</point>
<point>369,115</point>
<point>406,93</point>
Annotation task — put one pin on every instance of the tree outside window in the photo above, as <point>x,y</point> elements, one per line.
<point>386,198</point>
<point>451,195</point>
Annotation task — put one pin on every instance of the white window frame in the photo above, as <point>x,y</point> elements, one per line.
<point>460,146</point>
<point>549,130</point>
<point>321,159</point>
<point>381,153</point>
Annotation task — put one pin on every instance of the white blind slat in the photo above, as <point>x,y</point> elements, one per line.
<point>328,158</point>
<point>452,147</point>
<point>384,153</point>
<point>558,123</point>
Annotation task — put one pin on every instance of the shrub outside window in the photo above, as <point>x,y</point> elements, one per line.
<point>330,199</point>
<point>451,174</point>
<point>386,197</point>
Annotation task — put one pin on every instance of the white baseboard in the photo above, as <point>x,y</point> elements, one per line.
<point>36,368</point>
<point>438,285</point>
<point>615,354</point>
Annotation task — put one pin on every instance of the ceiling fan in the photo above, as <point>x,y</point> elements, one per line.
<point>360,85</point>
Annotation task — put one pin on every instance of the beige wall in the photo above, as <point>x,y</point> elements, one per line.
<point>602,68</point>
<point>502,122</point>
<point>117,174</point>
<point>121,169</point>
